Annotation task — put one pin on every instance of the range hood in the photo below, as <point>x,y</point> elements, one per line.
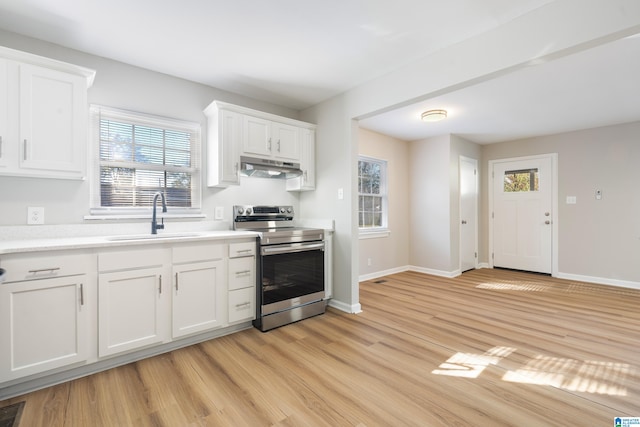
<point>263,168</point>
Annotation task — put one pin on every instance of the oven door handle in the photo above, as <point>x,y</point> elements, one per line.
<point>287,249</point>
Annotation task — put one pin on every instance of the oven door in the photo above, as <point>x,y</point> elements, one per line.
<point>292,275</point>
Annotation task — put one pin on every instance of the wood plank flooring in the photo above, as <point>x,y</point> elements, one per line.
<point>488,348</point>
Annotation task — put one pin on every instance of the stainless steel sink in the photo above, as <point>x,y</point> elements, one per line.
<point>129,237</point>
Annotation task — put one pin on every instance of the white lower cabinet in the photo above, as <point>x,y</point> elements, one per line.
<point>198,289</point>
<point>44,318</point>
<point>242,281</point>
<point>62,309</point>
<point>133,292</point>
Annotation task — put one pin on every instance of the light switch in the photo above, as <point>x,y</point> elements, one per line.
<point>571,200</point>
<point>219,213</point>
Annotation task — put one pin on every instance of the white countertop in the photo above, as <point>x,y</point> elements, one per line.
<point>82,242</point>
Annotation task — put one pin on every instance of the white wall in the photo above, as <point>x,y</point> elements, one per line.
<point>598,239</point>
<point>390,252</point>
<point>123,86</point>
<point>517,44</point>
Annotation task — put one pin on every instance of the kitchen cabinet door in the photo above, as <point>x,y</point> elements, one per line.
<point>53,123</point>
<point>43,325</point>
<point>285,142</point>
<point>272,140</point>
<point>256,136</point>
<point>223,150</point>
<point>4,112</point>
<point>306,181</point>
<point>198,297</point>
<point>131,310</point>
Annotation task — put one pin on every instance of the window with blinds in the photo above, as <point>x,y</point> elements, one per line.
<point>139,155</point>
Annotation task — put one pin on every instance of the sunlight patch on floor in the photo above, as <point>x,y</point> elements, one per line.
<point>471,365</point>
<point>589,376</point>
<point>514,286</point>
<point>582,376</point>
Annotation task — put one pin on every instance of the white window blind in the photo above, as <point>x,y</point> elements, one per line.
<point>138,155</point>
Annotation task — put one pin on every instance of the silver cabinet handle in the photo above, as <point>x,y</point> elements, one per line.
<point>243,304</point>
<point>81,294</point>
<point>269,144</point>
<point>40,270</point>
<point>547,222</point>
<point>243,272</point>
<point>291,248</point>
<point>176,282</point>
<point>547,214</point>
<point>278,146</point>
<point>242,251</point>
<point>464,222</point>
<point>25,149</point>
<point>160,283</point>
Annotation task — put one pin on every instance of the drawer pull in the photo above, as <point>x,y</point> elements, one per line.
<point>244,251</point>
<point>40,270</point>
<point>243,272</point>
<point>243,304</point>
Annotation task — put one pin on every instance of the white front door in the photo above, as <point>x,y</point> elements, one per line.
<point>522,214</point>
<point>468,213</point>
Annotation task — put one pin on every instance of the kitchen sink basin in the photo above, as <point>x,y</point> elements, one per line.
<point>130,237</point>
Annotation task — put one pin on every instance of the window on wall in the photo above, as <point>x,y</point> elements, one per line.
<point>372,194</point>
<point>521,180</point>
<point>138,155</point>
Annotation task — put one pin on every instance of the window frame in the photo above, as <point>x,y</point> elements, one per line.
<point>97,211</point>
<point>383,229</point>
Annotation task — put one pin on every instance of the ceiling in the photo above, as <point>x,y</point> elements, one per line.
<point>296,54</point>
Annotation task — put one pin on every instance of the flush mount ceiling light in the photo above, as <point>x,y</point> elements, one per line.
<point>434,115</point>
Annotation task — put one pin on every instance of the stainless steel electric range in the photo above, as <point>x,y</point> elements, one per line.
<point>290,279</point>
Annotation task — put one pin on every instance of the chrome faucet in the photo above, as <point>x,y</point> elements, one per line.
<point>154,224</point>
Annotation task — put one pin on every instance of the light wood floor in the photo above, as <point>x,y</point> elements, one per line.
<point>489,348</point>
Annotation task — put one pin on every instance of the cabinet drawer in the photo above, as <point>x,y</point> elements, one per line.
<point>242,305</point>
<point>242,273</point>
<point>194,252</point>
<point>41,266</point>
<point>128,259</point>
<point>242,249</point>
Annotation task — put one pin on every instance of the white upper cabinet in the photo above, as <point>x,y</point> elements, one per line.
<point>43,116</point>
<point>223,151</point>
<point>306,181</point>
<point>269,139</point>
<point>4,112</point>
<point>234,131</point>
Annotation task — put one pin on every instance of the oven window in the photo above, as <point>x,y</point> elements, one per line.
<point>290,275</point>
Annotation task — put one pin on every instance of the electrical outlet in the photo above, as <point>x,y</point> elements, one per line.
<point>35,215</point>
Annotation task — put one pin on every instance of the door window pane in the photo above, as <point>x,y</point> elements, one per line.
<point>521,180</point>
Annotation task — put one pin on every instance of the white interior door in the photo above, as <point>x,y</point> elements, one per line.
<point>522,214</point>
<point>468,213</point>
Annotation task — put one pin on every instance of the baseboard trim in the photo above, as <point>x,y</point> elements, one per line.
<point>441,273</point>
<point>347,308</point>
<point>378,274</point>
<point>599,280</point>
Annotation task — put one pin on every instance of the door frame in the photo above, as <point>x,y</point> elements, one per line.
<point>554,204</point>
<point>475,210</point>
